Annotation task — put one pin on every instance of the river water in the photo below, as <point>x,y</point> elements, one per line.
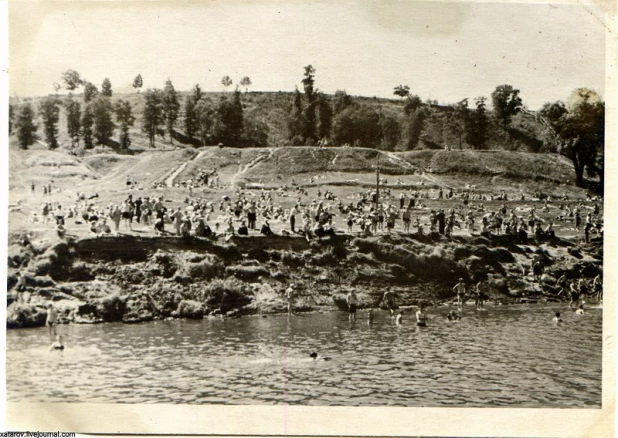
<point>504,356</point>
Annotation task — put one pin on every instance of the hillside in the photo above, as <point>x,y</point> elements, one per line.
<point>525,132</point>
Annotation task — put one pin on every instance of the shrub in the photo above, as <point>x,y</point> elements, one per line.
<point>111,308</point>
<point>227,294</point>
<point>247,272</point>
<point>190,309</point>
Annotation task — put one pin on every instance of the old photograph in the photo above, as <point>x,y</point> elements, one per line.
<point>313,203</point>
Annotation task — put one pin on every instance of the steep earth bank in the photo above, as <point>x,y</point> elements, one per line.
<point>133,279</point>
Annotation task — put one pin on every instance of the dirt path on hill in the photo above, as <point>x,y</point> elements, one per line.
<point>169,181</point>
<point>244,169</point>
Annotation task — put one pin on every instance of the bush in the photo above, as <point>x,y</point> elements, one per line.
<point>247,272</point>
<point>190,309</point>
<point>111,308</point>
<point>227,294</point>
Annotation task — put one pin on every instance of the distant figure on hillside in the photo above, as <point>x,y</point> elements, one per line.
<point>537,270</point>
<point>597,284</point>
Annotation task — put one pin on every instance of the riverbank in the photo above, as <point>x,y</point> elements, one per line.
<point>131,279</point>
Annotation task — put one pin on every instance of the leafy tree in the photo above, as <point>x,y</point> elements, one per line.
<point>391,131</point>
<point>87,126</point>
<point>102,110</point>
<point>413,103</point>
<point>477,124</point>
<point>171,107</point>
<point>11,115</point>
<point>325,116</point>
<point>506,103</point>
<point>106,88</point>
<point>205,117</point>
<point>90,91</point>
<point>125,119</point>
<point>49,110</point>
<point>226,81</point>
<point>401,91</point>
<point>153,115</point>
<point>138,82</point>
<point>342,101</point>
<point>416,123</point>
<point>191,122</point>
<point>245,82</point>
<point>296,121</point>
<point>310,109</point>
<point>255,132</point>
<point>25,126</point>
<point>456,120</point>
<point>72,80</point>
<point>357,125</point>
<point>229,121</point>
<point>74,122</point>
<point>580,133</point>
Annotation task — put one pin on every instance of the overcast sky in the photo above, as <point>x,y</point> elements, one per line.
<point>443,51</point>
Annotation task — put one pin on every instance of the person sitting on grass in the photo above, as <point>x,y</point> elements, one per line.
<point>265,230</point>
<point>243,230</point>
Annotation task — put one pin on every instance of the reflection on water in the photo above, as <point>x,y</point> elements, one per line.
<point>505,356</point>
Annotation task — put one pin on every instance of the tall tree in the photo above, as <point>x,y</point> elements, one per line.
<point>390,131</point>
<point>506,102</point>
<point>229,122</point>
<point>90,91</point>
<point>296,121</point>
<point>87,126</point>
<point>138,82</point>
<point>342,101</point>
<point>191,122</point>
<point>72,80</point>
<point>102,110</point>
<point>49,110</point>
<point>325,117</point>
<point>74,122</point>
<point>310,109</point>
<point>25,126</point>
<point>106,88</point>
<point>416,123</point>
<point>125,119</point>
<point>245,82</point>
<point>357,125</point>
<point>477,125</point>
<point>171,107</point>
<point>580,133</point>
<point>11,115</point>
<point>401,91</point>
<point>226,81</point>
<point>153,115</point>
<point>205,116</point>
<point>456,120</point>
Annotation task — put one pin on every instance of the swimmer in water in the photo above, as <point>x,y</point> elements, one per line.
<point>557,318</point>
<point>58,345</point>
<point>580,310</point>
<point>421,318</point>
<point>315,356</point>
<point>399,318</point>
<point>370,316</point>
<point>453,316</point>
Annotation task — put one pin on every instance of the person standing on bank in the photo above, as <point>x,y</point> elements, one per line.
<point>289,295</point>
<point>52,317</point>
<point>352,300</point>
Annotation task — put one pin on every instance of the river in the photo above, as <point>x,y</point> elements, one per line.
<point>504,356</point>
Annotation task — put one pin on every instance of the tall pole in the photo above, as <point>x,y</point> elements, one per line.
<point>377,180</point>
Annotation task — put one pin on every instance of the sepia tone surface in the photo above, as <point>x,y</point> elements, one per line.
<point>37,60</point>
